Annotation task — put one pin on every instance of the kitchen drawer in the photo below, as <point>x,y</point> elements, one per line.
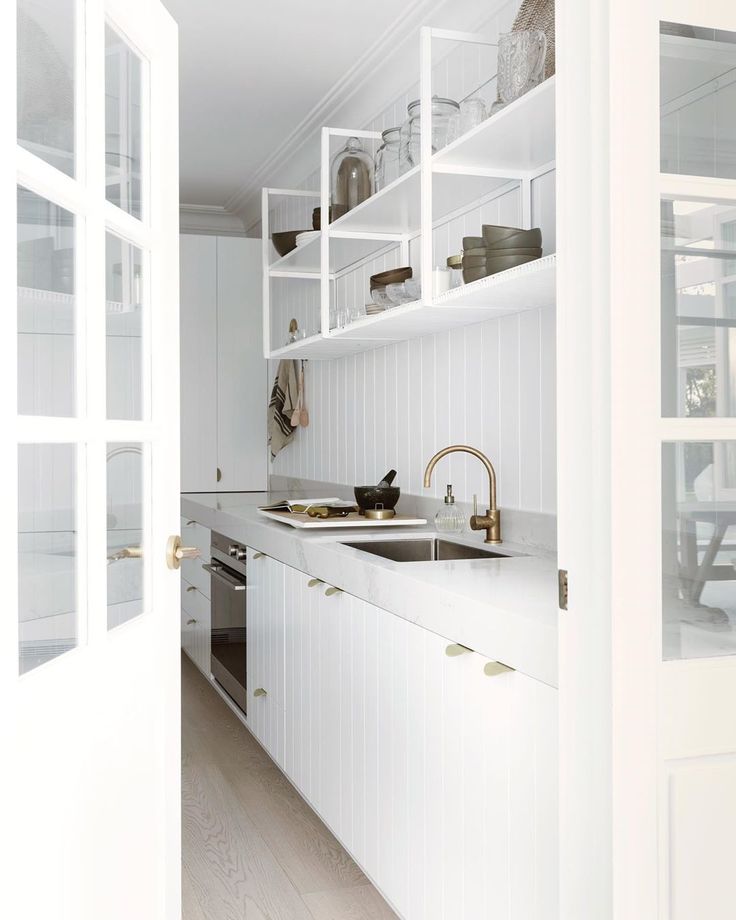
<point>196,635</point>
<point>193,574</point>
<point>194,534</point>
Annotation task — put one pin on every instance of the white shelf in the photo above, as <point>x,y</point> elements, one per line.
<point>344,252</point>
<point>518,138</point>
<point>527,287</point>
<point>512,147</point>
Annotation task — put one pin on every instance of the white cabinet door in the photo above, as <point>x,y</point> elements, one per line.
<point>440,780</point>
<point>241,369</point>
<point>198,347</point>
<point>265,652</point>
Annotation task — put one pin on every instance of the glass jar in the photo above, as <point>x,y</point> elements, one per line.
<point>352,176</point>
<point>387,158</point>
<point>521,57</point>
<point>442,112</point>
<point>449,519</point>
<point>455,265</point>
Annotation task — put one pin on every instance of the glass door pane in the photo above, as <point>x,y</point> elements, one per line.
<point>124,323</point>
<point>46,80</point>
<point>698,99</point>
<point>125,532</point>
<point>47,547</point>
<point>698,309</point>
<point>46,307</point>
<point>699,549</point>
<point>123,120</point>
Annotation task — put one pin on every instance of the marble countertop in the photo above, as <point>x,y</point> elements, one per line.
<point>505,609</point>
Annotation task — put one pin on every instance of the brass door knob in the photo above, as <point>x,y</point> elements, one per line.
<point>175,552</point>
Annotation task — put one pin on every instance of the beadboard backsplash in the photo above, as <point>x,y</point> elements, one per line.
<point>490,385</point>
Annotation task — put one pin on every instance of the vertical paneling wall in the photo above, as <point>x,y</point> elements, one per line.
<point>490,385</point>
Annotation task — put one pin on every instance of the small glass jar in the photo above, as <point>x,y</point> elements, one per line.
<point>441,281</point>
<point>352,176</point>
<point>455,265</point>
<point>387,158</point>
<point>449,519</point>
<point>442,112</point>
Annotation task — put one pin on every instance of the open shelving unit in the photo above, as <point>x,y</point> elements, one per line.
<point>511,148</point>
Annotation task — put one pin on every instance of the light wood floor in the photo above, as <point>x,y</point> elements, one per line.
<point>252,849</point>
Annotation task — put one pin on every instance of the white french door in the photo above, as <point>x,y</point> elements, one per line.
<point>89,640</point>
<point>647,311</point>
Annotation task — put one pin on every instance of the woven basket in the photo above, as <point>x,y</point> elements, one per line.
<point>539,14</point>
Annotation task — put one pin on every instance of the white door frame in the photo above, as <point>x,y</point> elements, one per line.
<point>617,699</point>
<point>81,673</point>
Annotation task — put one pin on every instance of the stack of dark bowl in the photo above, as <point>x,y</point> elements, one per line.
<point>498,249</point>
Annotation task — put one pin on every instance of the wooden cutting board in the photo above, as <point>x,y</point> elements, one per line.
<point>303,521</point>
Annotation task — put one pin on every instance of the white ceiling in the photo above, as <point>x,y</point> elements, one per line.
<point>250,72</point>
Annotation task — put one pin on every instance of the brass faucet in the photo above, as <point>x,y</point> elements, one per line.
<point>491,521</point>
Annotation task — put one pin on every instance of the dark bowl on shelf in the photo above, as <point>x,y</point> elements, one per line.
<point>476,251</point>
<point>511,237</point>
<point>473,242</point>
<point>285,241</point>
<point>500,263</point>
<point>372,496</point>
<point>474,261</point>
<point>474,274</point>
<point>392,276</point>
<point>336,210</point>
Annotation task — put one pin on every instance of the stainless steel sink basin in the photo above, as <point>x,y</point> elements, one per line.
<point>425,549</point>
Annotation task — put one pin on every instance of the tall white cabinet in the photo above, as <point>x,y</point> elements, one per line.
<point>223,372</point>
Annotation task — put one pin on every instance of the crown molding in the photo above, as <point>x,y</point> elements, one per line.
<point>205,218</point>
<point>367,66</point>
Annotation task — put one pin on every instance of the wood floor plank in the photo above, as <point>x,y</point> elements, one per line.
<point>191,909</point>
<point>361,903</point>
<point>307,850</point>
<point>252,847</point>
<point>235,873</point>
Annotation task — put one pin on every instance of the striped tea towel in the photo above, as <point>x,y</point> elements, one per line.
<point>281,406</point>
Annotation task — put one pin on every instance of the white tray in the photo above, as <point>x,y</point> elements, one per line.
<point>303,521</point>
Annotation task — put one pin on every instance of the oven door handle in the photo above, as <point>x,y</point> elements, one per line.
<point>217,571</point>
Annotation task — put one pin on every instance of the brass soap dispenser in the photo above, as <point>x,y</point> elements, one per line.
<point>449,519</point>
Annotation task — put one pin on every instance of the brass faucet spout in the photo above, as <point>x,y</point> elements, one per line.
<point>491,522</point>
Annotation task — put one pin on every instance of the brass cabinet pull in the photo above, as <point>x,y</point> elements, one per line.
<point>219,474</point>
<point>175,552</point>
<point>191,588</point>
<point>258,555</point>
<point>332,591</point>
<point>259,691</point>
<point>452,651</point>
<point>189,523</point>
<point>313,582</point>
<point>190,622</point>
<point>493,668</point>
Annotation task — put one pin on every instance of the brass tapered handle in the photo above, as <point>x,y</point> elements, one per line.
<point>191,588</point>
<point>128,552</point>
<point>313,582</point>
<point>332,591</point>
<point>259,691</point>
<point>176,551</point>
<point>493,668</point>
<point>189,622</point>
<point>452,651</point>
<point>258,555</point>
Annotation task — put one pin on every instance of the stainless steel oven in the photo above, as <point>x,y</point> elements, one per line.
<point>228,632</point>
